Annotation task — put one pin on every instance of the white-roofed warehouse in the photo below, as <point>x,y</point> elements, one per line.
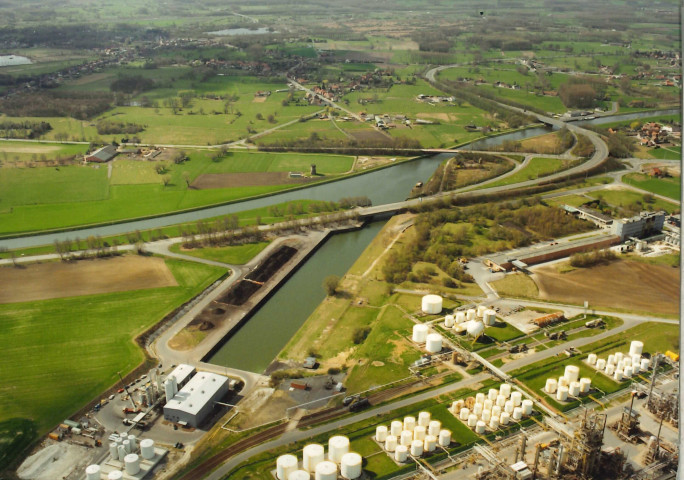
<point>182,374</point>
<point>195,401</point>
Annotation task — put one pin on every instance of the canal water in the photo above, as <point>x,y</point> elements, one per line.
<point>258,342</point>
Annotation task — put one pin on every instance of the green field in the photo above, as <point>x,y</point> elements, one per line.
<point>13,152</point>
<point>234,255</point>
<point>669,187</point>
<point>623,197</point>
<point>537,167</point>
<point>516,285</point>
<point>59,354</point>
<point>667,153</point>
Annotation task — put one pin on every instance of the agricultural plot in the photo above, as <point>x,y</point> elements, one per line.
<point>537,167</point>
<point>58,352</point>
<point>669,187</point>
<point>667,153</point>
<point>234,255</point>
<point>620,197</point>
<point>15,153</point>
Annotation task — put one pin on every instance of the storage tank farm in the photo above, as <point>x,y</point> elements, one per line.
<point>340,462</point>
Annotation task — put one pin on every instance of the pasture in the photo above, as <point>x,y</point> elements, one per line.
<point>537,167</point>
<point>669,187</point>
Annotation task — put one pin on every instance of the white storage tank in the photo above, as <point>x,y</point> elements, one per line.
<point>635,368</point>
<point>505,390</point>
<point>465,412</point>
<point>472,420</point>
<point>585,384</point>
<point>504,418</point>
<point>127,446</point>
<point>591,359</point>
<point>401,453</point>
<point>424,419</point>
<point>601,364</point>
<point>480,398</point>
<point>527,407</point>
<point>508,407</point>
<point>475,328</point>
<point>147,448</point>
<point>406,438</point>
<point>574,389</point>
<point>432,304</point>
<point>480,427</point>
<point>409,423</point>
<point>611,360</point>
<point>122,452</point>
<point>645,364</point>
<point>299,475</point>
<point>337,446</point>
<point>93,472</point>
<point>420,332</point>
<point>313,454</point>
<point>380,433</point>
<point>628,372</point>
<point>500,401</point>
<point>417,448</point>
<point>461,328</point>
<point>285,465</point>
<point>617,376</point>
<point>430,443</point>
<point>113,452</point>
<point>489,318</point>
<point>350,467</point>
<point>517,413</point>
<point>610,369</point>
<point>627,361</point>
<point>434,428</point>
<point>492,394</point>
<point>481,309</point>
<point>449,321</point>
<point>636,347</point>
<point>434,343</point>
<point>496,411</point>
<point>419,432</point>
<point>326,471</point>
<point>562,393</point>
<point>133,441</point>
<point>457,405</point>
<point>471,314</point>
<point>132,463</point>
<point>487,405</point>
<point>444,438</point>
<point>572,373</point>
<point>516,397</point>
<point>551,386</point>
<point>563,381</point>
<point>619,356</point>
<point>486,415</point>
<point>390,443</point>
<point>460,318</point>
<point>396,427</point>
<point>636,359</point>
<point>170,387</point>
<point>494,423</point>
<point>115,475</point>
<point>477,409</point>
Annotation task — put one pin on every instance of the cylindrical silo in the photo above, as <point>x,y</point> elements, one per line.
<point>517,413</point>
<point>299,475</point>
<point>419,432</point>
<point>500,401</point>
<point>489,318</point>
<point>496,411</point>
<point>434,343</point>
<point>611,360</point>
<point>492,394</point>
<point>432,304</point>
<point>134,442</point>
<point>430,443</point>
<point>113,452</point>
<point>481,309</point>
<point>313,454</point>
<point>420,332</point>
<point>401,453</point>
<point>406,437</point>
<point>457,405</point>
<point>444,438</point>
<point>424,419</point>
<point>516,397</point>
<point>508,406</point>
<point>326,471</point>
<point>396,427</point>
<point>626,362</point>
<point>494,423</point>
<point>636,367</point>
<point>505,390</point>
<point>480,427</point>
<point>417,448</point>
<point>527,407</point>
<point>574,389</point>
<point>350,466</point>
<point>93,472</point>
<point>636,348</point>
<point>477,409</point>
<point>619,356</point>
<point>285,465</point>
<point>409,423</point>
<point>391,443</point>
<point>562,393</point>
<point>486,415</point>
<point>132,463</point>
<point>472,420</point>
<point>449,321</point>
<point>591,359</point>
<point>460,318</point>
<point>122,452</point>
<point>618,375</point>
<point>585,384</point>
<point>380,433</point>
<point>465,412</point>
<point>645,364</point>
<point>572,373</point>
<point>487,405</point>
<point>169,387</point>
<point>115,475</point>
<point>563,381</point>
<point>551,386</point>
<point>601,364</point>
<point>127,446</point>
<point>147,448</point>
<point>480,398</point>
<point>434,427</point>
<point>504,418</point>
<point>337,446</point>
<point>475,328</point>
<point>471,314</point>
<point>628,372</point>
<point>610,369</point>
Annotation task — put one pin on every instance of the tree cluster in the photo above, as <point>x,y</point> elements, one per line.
<point>590,259</point>
<point>80,105</point>
<point>109,127</point>
<point>132,84</point>
<point>23,129</point>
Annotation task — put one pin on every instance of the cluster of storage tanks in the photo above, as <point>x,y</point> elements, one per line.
<point>494,410</point>
<point>472,321</point>
<point>568,385</point>
<point>433,341</point>
<point>414,437</point>
<point>314,462</point>
<point>620,366</point>
<point>124,450</point>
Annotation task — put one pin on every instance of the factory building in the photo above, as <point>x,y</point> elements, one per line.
<point>193,403</point>
<point>182,374</point>
<point>640,225</point>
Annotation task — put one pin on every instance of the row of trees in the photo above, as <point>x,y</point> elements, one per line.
<point>109,127</point>
<point>371,146</point>
<point>23,129</point>
<point>80,105</point>
<point>590,259</point>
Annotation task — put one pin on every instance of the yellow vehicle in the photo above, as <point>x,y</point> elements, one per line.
<point>672,355</point>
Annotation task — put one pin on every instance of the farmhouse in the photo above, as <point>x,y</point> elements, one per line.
<point>195,401</point>
<point>102,155</point>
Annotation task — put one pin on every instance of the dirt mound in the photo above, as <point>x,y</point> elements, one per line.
<point>622,284</point>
